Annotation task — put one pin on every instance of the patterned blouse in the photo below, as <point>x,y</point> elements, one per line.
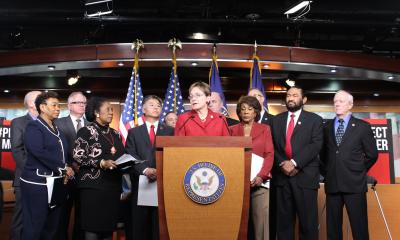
<point>93,144</point>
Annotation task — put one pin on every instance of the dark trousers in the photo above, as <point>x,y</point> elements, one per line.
<point>144,221</point>
<point>292,200</point>
<point>356,206</point>
<point>39,221</point>
<point>16,222</point>
<point>66,210</point>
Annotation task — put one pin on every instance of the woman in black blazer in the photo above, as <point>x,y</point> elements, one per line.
<point>99,180</point>
<point>46,161</point>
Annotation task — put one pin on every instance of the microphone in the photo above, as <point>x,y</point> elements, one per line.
<point>184,123</point>
<point>226,124</point>
<point>371,180</point>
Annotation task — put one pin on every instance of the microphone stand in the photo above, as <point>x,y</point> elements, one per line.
<point>373,183</point>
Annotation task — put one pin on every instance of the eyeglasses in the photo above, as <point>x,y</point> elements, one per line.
<point>83,103</point>
<point>195,96</point>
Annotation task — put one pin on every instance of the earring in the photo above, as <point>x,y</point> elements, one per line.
<point>97,115</point>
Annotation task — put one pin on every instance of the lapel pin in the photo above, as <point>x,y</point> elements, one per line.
<point>299,123</point>
<point>353,125</point>
<point>212,116</point>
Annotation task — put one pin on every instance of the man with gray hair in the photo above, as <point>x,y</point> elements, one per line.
<point>349,152</point>
<point>70,125</point>
<point>19,154</point>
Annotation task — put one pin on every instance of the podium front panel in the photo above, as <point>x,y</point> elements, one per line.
<point>187,219</point>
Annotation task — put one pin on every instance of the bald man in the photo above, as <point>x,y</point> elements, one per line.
<point>265,116</point>
<point>216,105</point>
<point>349,152</point>
<point>19,154</point>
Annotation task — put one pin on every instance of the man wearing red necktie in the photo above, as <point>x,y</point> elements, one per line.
<point>297,136</point>
<point>140,143</point>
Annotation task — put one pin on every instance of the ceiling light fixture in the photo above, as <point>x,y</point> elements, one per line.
<point>120,64</point>
<point>51,67</point>
<point>73,77</point>
<point>97,8</point>
<point>88,91</point>
<point>194,64</point>
<point>333,70</point>
<point>290,83</point>
<point>376,94</point>
<point>390,77</point>
<point>302,8</point>
<point>199,36</point>
<point>6,91</point>
<point>266,65</point>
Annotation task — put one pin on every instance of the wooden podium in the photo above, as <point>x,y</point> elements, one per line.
<point>180,159</point>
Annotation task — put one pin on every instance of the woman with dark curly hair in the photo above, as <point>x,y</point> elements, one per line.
<point>99,180</point>
<point>46,158</point>
<point>248,110</point>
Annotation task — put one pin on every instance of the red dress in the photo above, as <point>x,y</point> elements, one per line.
<point>262,145</point>
<point>189,124</point>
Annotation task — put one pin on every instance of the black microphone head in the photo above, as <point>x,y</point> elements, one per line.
<point>371,180</point>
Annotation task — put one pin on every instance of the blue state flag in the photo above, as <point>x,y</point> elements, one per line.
<point>215,84</point>
<point>256,79</point>
<point>173,101</point>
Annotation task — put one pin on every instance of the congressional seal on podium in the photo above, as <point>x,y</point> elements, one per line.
<point>204,182</point>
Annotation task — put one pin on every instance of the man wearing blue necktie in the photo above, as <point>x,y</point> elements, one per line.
<point>349,152</point>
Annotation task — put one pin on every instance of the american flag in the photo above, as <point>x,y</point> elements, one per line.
<point>215,84</point>
<point>132,113</point>
<point>256,79</point>
<point>173,101</point>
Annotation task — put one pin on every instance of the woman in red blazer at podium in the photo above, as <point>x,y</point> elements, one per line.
<point>248,110</point>
<point>201,121</point>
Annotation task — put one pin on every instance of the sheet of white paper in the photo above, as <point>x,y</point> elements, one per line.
<point>125,158</point>
<point>256,165</point>
<point>50,186</point>
<point>147,192</point>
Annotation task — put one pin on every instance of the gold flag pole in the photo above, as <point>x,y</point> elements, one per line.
<point>136,46</point>
<point>174,44</point>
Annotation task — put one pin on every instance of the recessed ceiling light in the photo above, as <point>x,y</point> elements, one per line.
<point>121,64</point>
<point>376,94</point>
<point>46,90</point>
<point>333,70</point>
<point>194,64</point>
<point>199,35</point>
<point>266,65</point>
<point>51,67</point>
<point>390,77</point>
<point>6,91</point>
<point>88,91</point>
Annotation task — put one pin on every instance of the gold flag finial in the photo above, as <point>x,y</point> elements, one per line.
<point>214,49</point>
<point>137,45</point>
<point>255,47</point>
<point>174,44</point>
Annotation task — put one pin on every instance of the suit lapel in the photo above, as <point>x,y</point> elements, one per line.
<point>300,121</point>
<point>145,134</point>
<point>255,131</point>
<point>70,125</point>
<point>349,130</point>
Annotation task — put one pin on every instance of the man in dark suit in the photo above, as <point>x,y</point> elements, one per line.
<point>349,152</point>
<point>297,136</point>
<point>70,125</point>
<point>140,144</point>
<point>265,115</point>
<point>19,154</point>
<point>216,106</point>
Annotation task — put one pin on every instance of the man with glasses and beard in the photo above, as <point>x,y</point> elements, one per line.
<point>298,138</point>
